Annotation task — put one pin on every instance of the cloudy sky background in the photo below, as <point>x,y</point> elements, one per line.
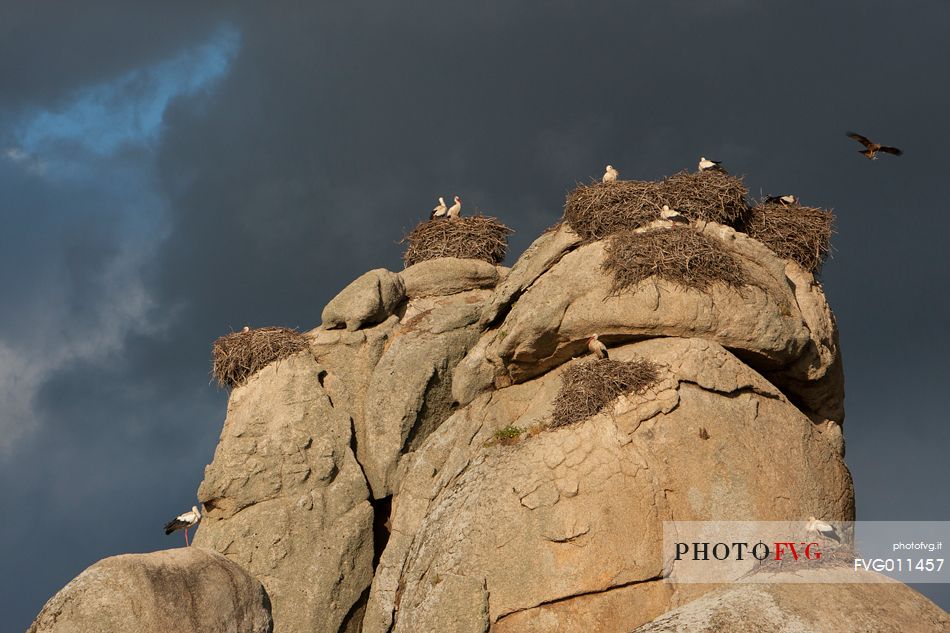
<point>168,174</point>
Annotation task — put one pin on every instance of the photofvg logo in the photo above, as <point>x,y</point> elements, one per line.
<point>813,550</point>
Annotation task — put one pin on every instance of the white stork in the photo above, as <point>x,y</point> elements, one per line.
<point>672,215</point>
<point>183,521</point>
<point>455,209</point>
<point>710,165</point>
<point>820,528</point>
<point>439,209</point>
<point>597,348</point>
<point>610,174</point>
<point>786,200</point>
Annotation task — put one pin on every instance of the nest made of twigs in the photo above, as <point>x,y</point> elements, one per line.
<point>600,209</point>
<point>792,231</point>
<point>588,387</point>
<point>236,356</point>
<point>469,237</point>
<point>679,255</point>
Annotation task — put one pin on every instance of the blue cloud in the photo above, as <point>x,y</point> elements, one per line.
<point>106,117</point>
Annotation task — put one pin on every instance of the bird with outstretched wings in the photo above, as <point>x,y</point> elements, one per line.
<point>871,148</point>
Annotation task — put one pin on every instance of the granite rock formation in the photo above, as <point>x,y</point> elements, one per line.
<point>360,480</point>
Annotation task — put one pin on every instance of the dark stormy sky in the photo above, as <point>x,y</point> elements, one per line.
<point>170,173</point>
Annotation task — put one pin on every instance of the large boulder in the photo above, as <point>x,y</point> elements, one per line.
<point>286,499</point>
<point>187,590</point>
<point>370,299</point>
<point>447,275</point>
<point>540,531</point>
<point>797,606</point>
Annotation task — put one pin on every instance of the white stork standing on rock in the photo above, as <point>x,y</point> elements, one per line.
<point>439,209</point>
<point>610,174</point>
<point>820,528</point>
<point>597,348</point>
<point>456,208</point>
<point>184,521</point>
<point>710,165</point>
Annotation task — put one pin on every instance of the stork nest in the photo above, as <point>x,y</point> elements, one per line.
<point>679,255</point>
<point>600,209</point>
<point>588,387</point>
<point>802,234</point>
<point>470,237</point>
<point>238,355</point>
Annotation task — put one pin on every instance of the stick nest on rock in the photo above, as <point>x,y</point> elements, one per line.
<point>588,387</point>
<point>679,255</point>
<point>802,234</point>
<point>470,237</point>
<point>600,209</point>
<point>236,356</point>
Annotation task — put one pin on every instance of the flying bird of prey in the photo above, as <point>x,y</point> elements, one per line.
<point>183,521</point>
<point>610,174</point>
<point>597,348</point>
<point>823,529</point>
<point>871,148</point>
<point>672,215</point>
<point>439,209</point>
<point>455,209</point>
<point>786,199</point>
<point>710,165</point>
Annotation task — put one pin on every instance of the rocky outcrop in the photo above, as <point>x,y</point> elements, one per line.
<point>779,323</point>
<point>544,527</point>
<point>187,590</point>
<point>798,606</point>
<point>397,402</point>
<point>370,299</point>
<point>285,498</point>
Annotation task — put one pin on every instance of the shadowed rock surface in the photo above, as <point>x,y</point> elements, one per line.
<point>187,590</point>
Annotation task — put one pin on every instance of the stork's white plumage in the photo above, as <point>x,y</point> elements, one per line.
<point>672,215</point>
<point>597,348</point>
<point>456,208</point>
<point>610,174</point>
<point>439,209</point>
<point>710,165</point>
<point>184,521</point>
<point>823,529</point>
